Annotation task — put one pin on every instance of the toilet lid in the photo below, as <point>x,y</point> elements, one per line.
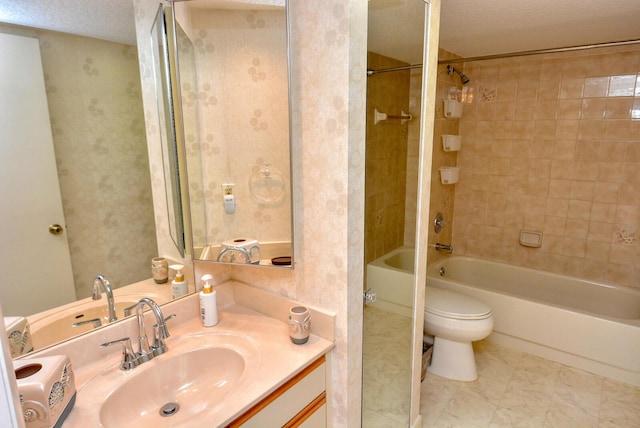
<point>451,304</point>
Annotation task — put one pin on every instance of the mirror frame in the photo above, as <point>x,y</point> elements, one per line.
<point>169,120</point>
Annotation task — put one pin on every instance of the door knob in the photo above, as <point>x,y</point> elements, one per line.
<point>56,229</point>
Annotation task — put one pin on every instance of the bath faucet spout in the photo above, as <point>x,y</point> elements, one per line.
<point>145,351</point>
<point>102,282</point>
<point>446,248</point>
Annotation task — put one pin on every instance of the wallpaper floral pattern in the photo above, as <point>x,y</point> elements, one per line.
<point>241,138</point>
<point>328,63</point>
<point>95,105</point>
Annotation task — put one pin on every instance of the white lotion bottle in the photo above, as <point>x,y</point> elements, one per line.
<point>179,284</point>
<point>208,303</point>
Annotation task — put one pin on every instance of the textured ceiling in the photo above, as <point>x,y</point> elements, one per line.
<point>104,19</point>
<point>468,28</point>
<point>476,28</point>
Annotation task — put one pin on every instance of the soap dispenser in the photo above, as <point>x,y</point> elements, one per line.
<point>208,303</point>
<point>179,284</point>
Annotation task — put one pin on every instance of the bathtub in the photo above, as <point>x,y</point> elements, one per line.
<point>586,325</point>
<point>390,277</point>
<point>582,324</point>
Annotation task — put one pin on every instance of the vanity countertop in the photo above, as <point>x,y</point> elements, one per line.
<point>244,311</point>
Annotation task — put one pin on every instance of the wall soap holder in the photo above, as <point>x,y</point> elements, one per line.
<point>449,174</point>
<point>530,238</point>
<point>452,109</point>
<point>451,143</point>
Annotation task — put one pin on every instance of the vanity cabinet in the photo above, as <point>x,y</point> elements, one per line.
<point>300,402</point>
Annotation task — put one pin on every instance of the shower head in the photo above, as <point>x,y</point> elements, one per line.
<point>463,76</point>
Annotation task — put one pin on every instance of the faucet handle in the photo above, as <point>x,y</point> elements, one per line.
<point>129,358</point>
<point>160,332</point>
<point>97,322</point>
<point>170,317</point>
<point>129,309</point>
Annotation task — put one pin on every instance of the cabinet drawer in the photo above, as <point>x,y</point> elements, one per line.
<point>301,399</point>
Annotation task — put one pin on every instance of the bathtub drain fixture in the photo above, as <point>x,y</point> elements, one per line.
<point>169,409</point>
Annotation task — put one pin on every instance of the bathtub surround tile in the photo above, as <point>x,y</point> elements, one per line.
<point>581,122</point>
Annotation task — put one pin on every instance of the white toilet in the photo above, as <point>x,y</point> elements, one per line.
<point>455,320</point>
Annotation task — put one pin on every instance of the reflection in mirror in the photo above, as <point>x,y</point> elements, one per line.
<point>91,89</point>
<point>160,35</point>
<point>236,108</point>
<point>391,182</point>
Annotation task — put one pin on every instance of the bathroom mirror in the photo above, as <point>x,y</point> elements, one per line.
<point>168,125</point>
<point>235,99</point>
<point>101,157</point>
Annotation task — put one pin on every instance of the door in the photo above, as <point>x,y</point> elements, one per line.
<point>29,188</point>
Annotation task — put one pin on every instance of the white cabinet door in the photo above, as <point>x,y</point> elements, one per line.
<point>29,189</point>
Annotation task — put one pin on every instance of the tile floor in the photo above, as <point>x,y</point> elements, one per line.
<point>513,389</point>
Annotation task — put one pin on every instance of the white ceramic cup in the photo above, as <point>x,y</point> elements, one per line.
<point>299,324</point>
<point>160,270</point>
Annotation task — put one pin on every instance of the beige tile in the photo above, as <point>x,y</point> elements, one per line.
<point>620,405</point>
<point>579,210</point>
<point>566,415</point>
<point>517,416</point>
<point>571,88</point>
<point>618,108</point>
<point>593,108</point>
<point>622,86</point>
<point>471,405</point>
<point>596,87</point>
<point>582,190</point>
<point>579,123</point>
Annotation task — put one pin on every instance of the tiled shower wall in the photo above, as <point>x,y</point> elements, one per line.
<point>442,195</point>
<point>386,158</point>
<point>551,143</point>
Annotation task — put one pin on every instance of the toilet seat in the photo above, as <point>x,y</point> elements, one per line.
<point>454,305</point>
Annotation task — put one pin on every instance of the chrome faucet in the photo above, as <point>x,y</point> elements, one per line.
<point>146,352</point>
<point>446,248</point>
<point>106,285</point>
<point>243,251</point>
<point>160,331</point>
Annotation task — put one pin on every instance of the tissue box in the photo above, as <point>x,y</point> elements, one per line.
<point>250,246</point>
<point>19,335</point>
<point>47,390</point>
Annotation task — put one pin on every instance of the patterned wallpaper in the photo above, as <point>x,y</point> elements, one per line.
<point>94,94</point>
<point>328,131</point>
<point>243,116</point>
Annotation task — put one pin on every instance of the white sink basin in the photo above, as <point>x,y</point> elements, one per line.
<point>60,326</point>
<point>197,374</point>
